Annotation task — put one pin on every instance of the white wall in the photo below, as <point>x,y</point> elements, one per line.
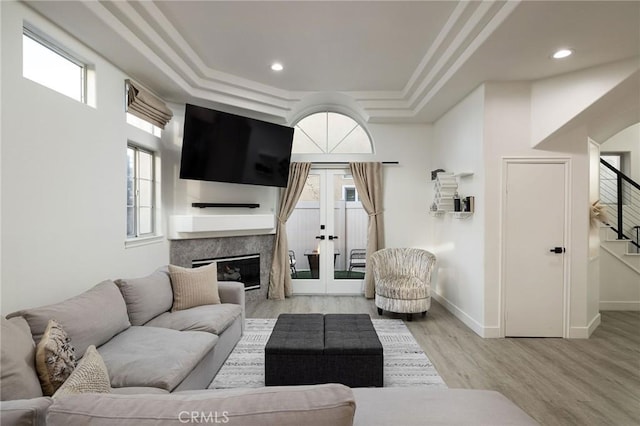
<point>492,123</point>
<point>405,194</point>
<point>511,137</point>
<point>406,185</point>
<point>63,179</point>
<point>626,141</point>
<point>619,285</point>
<point>178,194</point>
<point>459,244</point>
<point>557,100</point>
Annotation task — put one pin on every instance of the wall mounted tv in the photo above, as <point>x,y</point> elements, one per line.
<point>222,147</point>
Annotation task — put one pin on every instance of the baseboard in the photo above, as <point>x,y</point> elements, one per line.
<point>479,329</point>
<point>585,332</point>
<point>611,305</point>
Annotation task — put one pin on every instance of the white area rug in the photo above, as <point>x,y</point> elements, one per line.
<point>405,364</point>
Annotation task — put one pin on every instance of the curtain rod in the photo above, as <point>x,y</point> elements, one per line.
<point>347,162</point>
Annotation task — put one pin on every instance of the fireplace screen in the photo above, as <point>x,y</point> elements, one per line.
<point>244,269</point>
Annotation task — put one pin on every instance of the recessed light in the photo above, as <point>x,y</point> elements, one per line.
<point>276,66</point>
<point>562,53</point>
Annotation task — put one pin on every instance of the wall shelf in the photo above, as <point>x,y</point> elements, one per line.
<point>217,223</point>
<point>463,174</point>
<point>244,205</point>
<point>445,186</point>
<point>461,215</point>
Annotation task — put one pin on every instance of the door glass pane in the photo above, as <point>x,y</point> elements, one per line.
<point>302,228</point>
<point>350,225</point>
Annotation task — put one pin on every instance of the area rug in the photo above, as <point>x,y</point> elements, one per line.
<point>405,364</point>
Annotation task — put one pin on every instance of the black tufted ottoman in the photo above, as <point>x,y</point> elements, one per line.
<point>314,348</point>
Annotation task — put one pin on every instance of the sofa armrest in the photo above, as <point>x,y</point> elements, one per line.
<point>25,412</point>
<point>232,292</point>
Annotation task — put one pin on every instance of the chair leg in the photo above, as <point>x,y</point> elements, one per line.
<point>379,311</point>
<point>409,317</point>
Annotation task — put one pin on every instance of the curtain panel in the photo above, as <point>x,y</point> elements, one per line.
<point>146,106</point>
<point>368,180</point>
<point>280,277</point>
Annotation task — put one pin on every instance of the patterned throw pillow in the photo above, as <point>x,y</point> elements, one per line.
<point>90,376</point>
<point>194,287</point>
<point>55,358</point>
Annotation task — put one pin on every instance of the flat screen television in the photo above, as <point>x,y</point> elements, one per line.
<point>222,147</point>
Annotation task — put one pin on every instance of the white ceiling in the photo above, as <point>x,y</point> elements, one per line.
<point>392,61</point>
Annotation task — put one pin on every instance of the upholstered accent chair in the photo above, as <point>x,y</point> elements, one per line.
<point>402,278</point>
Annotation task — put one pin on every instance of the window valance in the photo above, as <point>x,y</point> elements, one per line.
<point>146,106</point>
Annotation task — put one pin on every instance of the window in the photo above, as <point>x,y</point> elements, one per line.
<point>330,133</point>
<point>49,65</point>
<point>140,192</point>
<point>349,193</point>
<point>144,125</point>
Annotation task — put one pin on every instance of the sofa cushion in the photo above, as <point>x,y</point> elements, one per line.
<point>210,318</point>
<point>420,406</point>
<point>25,412</point>
<point>18,376</point>
<point>90,318</point>
<point>194,286</point>
<point>55,358</point>
<point>90,376</point>
<point>147,297</point>
<point>154,357</point>
<point>320,405</point>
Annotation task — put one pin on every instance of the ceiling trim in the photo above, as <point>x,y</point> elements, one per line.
<point>151,34</point>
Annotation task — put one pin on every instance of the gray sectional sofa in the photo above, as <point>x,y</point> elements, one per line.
<point>146,348</point>
<point>161,362</point>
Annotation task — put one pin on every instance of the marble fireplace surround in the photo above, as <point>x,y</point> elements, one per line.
<point>183,251</point>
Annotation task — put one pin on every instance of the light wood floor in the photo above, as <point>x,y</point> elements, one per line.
<point>592,381</point>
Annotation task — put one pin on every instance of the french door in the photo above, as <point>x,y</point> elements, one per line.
<point>326,229</point>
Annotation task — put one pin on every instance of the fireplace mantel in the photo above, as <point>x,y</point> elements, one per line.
<point>182,226</point>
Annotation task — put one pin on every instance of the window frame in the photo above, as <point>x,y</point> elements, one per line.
<point>137,235</point>
<point>326,151</point>
<point>46,42</point>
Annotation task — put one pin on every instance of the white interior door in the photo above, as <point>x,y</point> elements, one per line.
<point>534,241</point>
<point>321,231</point>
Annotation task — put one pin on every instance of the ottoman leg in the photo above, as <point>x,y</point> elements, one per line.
<point>379,311</point>
<point>424,314</point>
<point>409,317</point>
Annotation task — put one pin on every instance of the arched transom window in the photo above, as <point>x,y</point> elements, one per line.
<point>330,133</point>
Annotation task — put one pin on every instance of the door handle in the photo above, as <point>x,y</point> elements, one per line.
<point>320,237</point>
<point>333,237</point>
<point>557,250</point>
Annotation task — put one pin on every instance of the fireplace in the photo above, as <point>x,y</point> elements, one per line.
<point>244,269</point>
<point>184,251</point>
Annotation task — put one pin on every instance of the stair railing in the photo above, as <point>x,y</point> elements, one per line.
<point>621,195</point>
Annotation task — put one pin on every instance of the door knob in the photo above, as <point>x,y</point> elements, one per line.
<point>319,237</point>
<point>557,250</point>
<point>333,237</point>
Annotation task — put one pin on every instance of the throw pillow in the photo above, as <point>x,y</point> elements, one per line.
<point>55,358</point>
<point>90,376</point>
<point>194,287</point>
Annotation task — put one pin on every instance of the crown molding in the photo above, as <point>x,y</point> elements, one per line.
<point>150,33</point>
